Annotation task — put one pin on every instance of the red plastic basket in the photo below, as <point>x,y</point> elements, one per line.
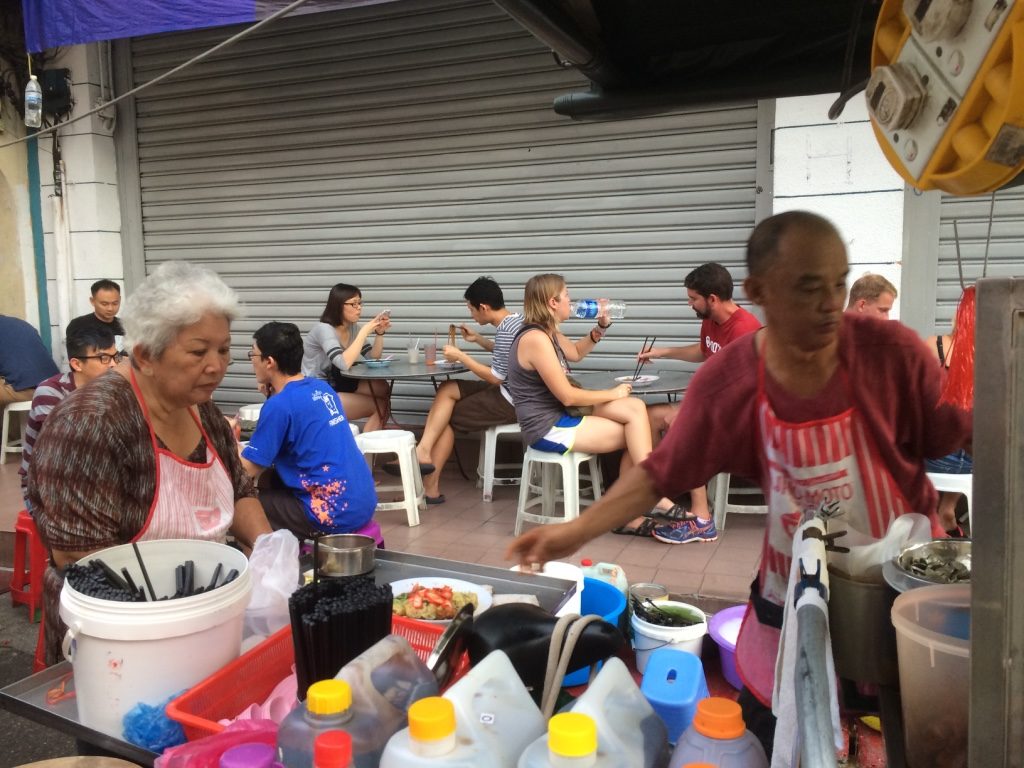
<point>253,675</point>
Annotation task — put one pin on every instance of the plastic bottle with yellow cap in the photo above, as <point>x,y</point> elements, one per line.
<point>571,742</point>
<point>328,707</point>
<point>430,739</point>
<point>718,735</point>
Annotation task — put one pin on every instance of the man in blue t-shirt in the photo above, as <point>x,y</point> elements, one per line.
<point>24,361</point>
<point>322,483</point>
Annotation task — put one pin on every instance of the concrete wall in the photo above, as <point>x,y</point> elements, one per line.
<point>836,169</point>
<point>17,270</point>
<point>82,227</point>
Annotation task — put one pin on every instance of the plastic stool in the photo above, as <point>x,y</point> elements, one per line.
<point>27,583</point>
<point>485,466</point>
<point>403,445</point>
<point>6,444</point>
<point>571,501</point>
<point>718,493</point>
<point>956,484</point>
<point>673,684</point>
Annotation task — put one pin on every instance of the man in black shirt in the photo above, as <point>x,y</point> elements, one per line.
<point>105,300</point>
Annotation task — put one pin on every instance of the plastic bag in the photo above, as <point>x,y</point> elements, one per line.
<point>206,752</point>
<point>274,569</point>
<point>867,555</point>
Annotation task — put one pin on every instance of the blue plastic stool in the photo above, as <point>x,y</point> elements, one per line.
<point>673,684</point>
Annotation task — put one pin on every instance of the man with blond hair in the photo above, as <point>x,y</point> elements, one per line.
<point>873,295</point>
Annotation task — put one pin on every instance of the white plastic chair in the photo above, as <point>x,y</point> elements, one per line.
<point>956,484</point>
<point>485,466</point>
<point>718,497</point>
<point>8,445</point>
<point>403,445</point>
<point>548,497</point>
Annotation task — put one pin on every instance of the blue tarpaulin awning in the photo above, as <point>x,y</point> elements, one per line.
<point>53,23</point>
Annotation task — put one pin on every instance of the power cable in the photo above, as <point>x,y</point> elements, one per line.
<point>160,78</point>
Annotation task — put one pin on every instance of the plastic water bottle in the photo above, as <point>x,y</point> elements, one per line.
<point>607,572</point>
<point>571,742</point>
<point>718,736</point>
<point>494,711</point>
<point>332,749</point>
<point>430,740</point>
<point>33,103</point>
<point>327,708</point>
<point>588,309</point>
<point>629,732</point>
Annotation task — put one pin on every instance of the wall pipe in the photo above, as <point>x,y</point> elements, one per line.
<point>35,208</point>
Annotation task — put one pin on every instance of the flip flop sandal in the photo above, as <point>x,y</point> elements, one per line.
<point>439,499</point>
<point>645,529</point>
<point>675,514</point>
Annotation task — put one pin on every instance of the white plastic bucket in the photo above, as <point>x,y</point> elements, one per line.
<point>648,637</point>
<point>569,572</point>
<point>126,653</point>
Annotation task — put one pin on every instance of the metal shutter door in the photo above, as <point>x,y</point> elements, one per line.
<point>410,147</point>
<point>1005,251</point>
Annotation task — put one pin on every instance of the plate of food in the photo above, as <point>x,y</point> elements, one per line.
<point>382,363</point>
<point>433,598</point>
<point>643,380</point>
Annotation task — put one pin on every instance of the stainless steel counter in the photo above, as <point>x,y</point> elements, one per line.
<point>28,697</point>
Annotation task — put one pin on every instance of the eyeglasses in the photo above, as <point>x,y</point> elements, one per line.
<point>104,358</point>
<point>357,304</point>
<point>250,354</point>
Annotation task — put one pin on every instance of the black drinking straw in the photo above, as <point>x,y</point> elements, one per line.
<point>216,575</point>
<point>145,573</point>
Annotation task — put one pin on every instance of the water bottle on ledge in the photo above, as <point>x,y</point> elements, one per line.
<point>588,309</point>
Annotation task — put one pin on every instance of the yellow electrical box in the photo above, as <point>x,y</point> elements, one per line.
<point>946,94</point>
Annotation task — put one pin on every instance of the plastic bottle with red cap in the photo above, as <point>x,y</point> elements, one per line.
<point>718,736</point>
<point>332,749</point>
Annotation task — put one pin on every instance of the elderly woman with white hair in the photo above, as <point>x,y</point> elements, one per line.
<point>142,452</point>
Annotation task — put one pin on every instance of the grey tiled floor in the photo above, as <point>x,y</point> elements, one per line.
<point>467,529</point>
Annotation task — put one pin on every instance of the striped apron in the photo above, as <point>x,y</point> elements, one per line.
<point>833,459</point>
<point>192,501</point>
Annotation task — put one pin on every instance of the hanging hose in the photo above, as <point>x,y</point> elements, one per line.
<point>563,641</point>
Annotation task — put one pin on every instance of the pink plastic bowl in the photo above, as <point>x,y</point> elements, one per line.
<point>724,627</point>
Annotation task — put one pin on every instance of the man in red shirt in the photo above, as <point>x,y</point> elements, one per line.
<point>709,293</point>
<point>816,406</point>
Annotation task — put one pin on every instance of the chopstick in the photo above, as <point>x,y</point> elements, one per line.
<point>643,349</point>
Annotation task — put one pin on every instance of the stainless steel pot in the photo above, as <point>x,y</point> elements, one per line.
<point>345,554</point>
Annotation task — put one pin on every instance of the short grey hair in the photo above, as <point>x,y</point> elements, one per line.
<point>176,295</point>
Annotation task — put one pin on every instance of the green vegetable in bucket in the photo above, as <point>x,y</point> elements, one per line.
<point>666,615</point>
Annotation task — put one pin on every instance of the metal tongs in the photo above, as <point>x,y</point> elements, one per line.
<point>827,510</point>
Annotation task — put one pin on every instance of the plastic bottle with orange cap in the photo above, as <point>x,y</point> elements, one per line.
<point>718,737</point>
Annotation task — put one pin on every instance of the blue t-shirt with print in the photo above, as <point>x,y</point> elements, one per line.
<point>304,435</point>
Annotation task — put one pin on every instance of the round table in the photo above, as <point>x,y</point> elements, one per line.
<point>401,370</point>
<point>670,382</point>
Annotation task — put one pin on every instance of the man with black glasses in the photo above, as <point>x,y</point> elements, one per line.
<point>91,353</point>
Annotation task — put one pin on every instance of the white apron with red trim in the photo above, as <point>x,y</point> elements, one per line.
<point>192,501</point>
<point>807,463</point>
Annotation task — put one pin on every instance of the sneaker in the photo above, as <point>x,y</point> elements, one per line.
<point>686,531</point>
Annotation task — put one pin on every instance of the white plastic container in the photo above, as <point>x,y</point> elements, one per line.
<point>607,572</point>
<point>33,103</point>
<point>718,736</point>
<point>430,740</point>
<point>648,637</point>
<point>126,653</point>
<point>629,731</point>
<point>494,711</point>
<point>569,572</point>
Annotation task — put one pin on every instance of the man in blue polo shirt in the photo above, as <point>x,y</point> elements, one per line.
<point>320,482</point>
<point>24,361</point>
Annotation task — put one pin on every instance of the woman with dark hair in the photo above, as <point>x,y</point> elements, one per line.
<point>548,403</point>
<point>335,344</point>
